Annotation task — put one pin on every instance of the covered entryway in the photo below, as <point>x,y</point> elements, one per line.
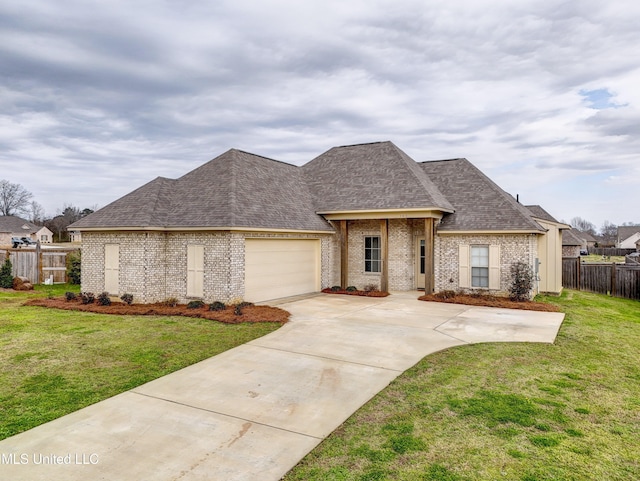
<point>276,268</point>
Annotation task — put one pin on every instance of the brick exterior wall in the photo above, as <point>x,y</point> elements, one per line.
<point>153,265</point>
<point>570,251</point>
<point>513,248</point>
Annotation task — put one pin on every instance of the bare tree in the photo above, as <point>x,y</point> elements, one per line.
<point>583,225</point>
<point>14,199</point>
<point>609,232</point>
<point>36,213</point>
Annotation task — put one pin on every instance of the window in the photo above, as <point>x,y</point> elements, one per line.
<point>372,254</point>
<point>479,266</point>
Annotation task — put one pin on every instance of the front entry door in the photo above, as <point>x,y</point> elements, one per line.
<point>420,263</point>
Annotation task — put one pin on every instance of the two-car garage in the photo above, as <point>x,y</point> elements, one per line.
<point>276,268</point>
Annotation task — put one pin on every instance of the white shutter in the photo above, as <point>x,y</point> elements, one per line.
<point>494,267</point>
<point>464,273</point>
<point>112,268</point>
<point>195,271</point>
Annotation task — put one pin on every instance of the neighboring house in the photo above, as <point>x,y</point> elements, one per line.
<point>12,226</point>
<point>547,268</point>
<point>628,236</point>
<point>571,245</point>
<point>588,241</point>
<point>75,236</point>
<point>247,227</point>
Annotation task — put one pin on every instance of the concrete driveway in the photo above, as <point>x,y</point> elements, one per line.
<point>253,412</point>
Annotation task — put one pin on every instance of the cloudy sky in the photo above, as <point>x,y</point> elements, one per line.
<point>98,98</point>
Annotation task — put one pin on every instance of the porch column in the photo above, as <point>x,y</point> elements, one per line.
<point>384,252</point>
<point>344,254</point>
<point>429,271</point>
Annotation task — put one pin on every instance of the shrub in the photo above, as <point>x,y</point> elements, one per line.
<point>103,299</point>
<point>170,302</point>
<point>446,294</point>
<point>87,297</point>
<point>370,288</point>
<point>74,267</point>
<point>336,288</point>
<point>127,298</point>
<point>244,304</point>
<point>238,310</point>
<point>70,296</point>
<point>521,282</point>
<point>217,306</point>
<point>6,278</point>
<point>351,289</point>
<point>195,305</point>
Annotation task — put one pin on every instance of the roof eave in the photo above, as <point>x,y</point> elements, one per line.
<point>200,229</point>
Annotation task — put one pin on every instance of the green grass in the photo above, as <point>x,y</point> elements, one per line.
<point>527,412</point>
<point>598,259</point>
<point>55,362</point>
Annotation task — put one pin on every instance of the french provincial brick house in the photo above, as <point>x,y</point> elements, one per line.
<point>247,227</point>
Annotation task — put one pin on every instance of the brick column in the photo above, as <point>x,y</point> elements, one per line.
<point>429,268</point>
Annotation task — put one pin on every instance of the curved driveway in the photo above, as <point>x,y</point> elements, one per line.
<point>254,411</point>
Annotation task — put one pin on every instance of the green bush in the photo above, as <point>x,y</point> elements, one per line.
<point>6,278</point>
<point>336,288</point>
<point>217,306</point>
<point>170,302</point>
<point>103,299</point>
<point>195,305</point>
<point>74,264</point>
<point>351,289</point>
<point>87,297</point>
<point>521,282</point>
<point>127,298</point>
<point>70,296</point>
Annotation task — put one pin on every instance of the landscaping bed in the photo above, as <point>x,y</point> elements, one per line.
<point>227,315</point>
<point>356,292</point>
<point>488,301</point>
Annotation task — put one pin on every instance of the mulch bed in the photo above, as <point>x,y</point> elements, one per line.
<point>249,313</point>
<point>356,293</point>
<point>490,301</point>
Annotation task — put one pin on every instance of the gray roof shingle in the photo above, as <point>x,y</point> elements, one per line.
<point>370,177</point>
<point>540,213</point>
<point>236,189</point>
<point>626,231</point>
<point>479,203</point>
<point>15,225</point>
<point>569,238</point>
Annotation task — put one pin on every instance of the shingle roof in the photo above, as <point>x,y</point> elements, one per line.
<point>15,225</point>
<point>569,238</point>
<point>626,231</point>
<point>236,189</point>
<point>479,203</point>
<point>370,177</point>
<point>540,213</point>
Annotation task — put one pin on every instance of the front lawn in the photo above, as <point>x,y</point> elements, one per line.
<point>55,362</point>
<point>567,411</point>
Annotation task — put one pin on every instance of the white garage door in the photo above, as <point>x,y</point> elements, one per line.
<point>277,268</point>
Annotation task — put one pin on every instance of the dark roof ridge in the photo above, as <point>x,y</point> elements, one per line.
<point>263,157</point>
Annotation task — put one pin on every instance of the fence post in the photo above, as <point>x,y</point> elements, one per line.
<point>39,272</point>
<point>578,270</point>
<point>613,279</point>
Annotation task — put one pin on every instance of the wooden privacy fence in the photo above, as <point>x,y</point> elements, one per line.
<point>618,280</point>
<point>38,265</point>
<point>610,251</point>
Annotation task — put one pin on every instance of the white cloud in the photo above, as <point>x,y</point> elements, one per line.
<point>105,96</point>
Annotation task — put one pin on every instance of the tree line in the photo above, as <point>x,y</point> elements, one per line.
<point>608,232</point>
<point>17,201</point>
